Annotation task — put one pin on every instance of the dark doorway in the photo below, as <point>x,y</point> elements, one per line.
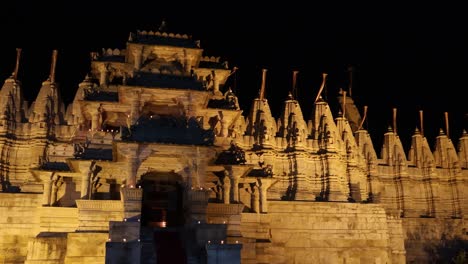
<point>162,200</point>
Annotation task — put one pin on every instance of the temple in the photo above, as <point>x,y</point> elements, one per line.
<point>154,162</point>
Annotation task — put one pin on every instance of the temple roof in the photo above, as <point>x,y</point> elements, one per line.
<point>163,38</point>
<point>161,81</point>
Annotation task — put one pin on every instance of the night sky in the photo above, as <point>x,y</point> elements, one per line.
<point>409,57</point>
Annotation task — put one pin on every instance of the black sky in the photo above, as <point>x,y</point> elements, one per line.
<point>410,57</point>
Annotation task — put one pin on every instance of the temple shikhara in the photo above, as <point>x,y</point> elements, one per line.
<point>154,162</point>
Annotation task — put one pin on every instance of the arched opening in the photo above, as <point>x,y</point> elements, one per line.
<point>162,204</point>
<point>162,213</point>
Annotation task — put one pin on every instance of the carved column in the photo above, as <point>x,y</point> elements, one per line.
<point>132,167</point>
<point>235,188</point>
<point>235,172</point>
<point>95,118</point>
<point>137,58</point>
<point>103,75</point>
<point>187,62</point>
<point>215,83</point>
<point>47,190</point>
<point>135,106</point>
<point>133,154</point>
<point>255,202</point>
<point>85,184</point>
<point>55,186</point>
<point>224,128</point>
<point>264,184</point>
<point>226,190</point>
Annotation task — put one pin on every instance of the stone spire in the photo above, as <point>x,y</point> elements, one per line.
<point>261,124</point>
<point>11,96</point>
<point>48,105</point>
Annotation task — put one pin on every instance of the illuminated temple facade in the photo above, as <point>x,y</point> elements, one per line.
<point>154,162</point>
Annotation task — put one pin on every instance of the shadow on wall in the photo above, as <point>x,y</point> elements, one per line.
<point>448,251</point>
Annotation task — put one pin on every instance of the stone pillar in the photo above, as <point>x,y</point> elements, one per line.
<point>235,172</point>
<point>263,200</point>
<point>103,76</point>
<point>132,168</point>
<point>234,188</point>
<point>53,195</point>
<point>187,62</point>
<point>264,184</point>
<point>95,118</point>
<point>85,184</point>
<point>135,107</point>
<point>47,190</point>
<point>224,128</point>
<point>226,190</point>
<point>138,58</point>
<point>255,202</point>
<point>215,83</point>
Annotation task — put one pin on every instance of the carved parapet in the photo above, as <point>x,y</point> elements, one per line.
<point>131,199</point>
<point>162,34</point>
<point>210,59</point>
<point>198,196</point>
<point>197,200</point>
<point>131,194</point>
<point>99,205</point>
<point>95,215</point>
<point>228,214</point>
<point>224,209</point>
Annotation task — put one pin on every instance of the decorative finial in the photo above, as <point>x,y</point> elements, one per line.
<point>351,73</point>
<point>52,66</point>
<point>18,57</point>
<point>389,129</point>
<point>163,26</point>
<point>421,116</point>
<point>344,104</point>
<point>441,132</point>
<point>446,124</point>
<point>363,118</point>
<point>416,131</point>
<point>294,87</point>
<point>324,79</point>
<point>262,87</point>
<point>290,97</point>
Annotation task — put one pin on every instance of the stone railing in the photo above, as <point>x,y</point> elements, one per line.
<point>131,194</point>
<point>198,196</point>
<point>224,209</point>
<point>99,205</point>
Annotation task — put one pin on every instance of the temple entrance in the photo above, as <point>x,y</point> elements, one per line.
<point>162,204</point>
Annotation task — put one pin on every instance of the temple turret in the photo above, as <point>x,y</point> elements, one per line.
<point>463,150</point>
<point>261,125</point>
<point>446,158</point>
<point>356,164</point>
<point>48,106</point>
<point>12,105</point>
<point>292,129</point>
